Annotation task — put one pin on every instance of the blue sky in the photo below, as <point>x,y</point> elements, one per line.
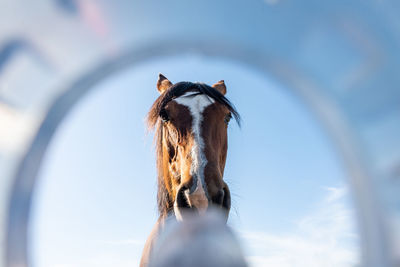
<point>96,199</point>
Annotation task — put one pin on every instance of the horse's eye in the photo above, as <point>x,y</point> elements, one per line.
<point>228,118</point>
<point>164,115</point>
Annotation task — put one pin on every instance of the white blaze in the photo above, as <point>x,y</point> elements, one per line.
<point>196,104</point>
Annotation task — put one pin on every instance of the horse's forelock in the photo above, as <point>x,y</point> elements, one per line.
<point>181,88</point>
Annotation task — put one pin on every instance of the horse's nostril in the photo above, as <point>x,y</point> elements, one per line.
<point>181,199</point>
<point>218,199</point>
<point>226,203</point>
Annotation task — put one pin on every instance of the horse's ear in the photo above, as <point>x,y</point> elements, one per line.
<point>220,86</point>
<point>163,83</point>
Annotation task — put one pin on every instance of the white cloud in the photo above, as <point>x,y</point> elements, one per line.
<point>133,242</point>
<point>104,260</point>
<point>121,253</point>
<point>326,237</point>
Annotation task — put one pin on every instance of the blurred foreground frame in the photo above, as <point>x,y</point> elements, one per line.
<point>197,241</point>
<point>340,58</point>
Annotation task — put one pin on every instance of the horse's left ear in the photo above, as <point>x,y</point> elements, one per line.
<point>220,86</point>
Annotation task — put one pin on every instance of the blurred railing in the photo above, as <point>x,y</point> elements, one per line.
<point>341,57</point>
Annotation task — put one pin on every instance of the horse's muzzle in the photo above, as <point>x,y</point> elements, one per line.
<point>198,201</point>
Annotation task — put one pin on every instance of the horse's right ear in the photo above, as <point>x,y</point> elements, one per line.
<point>163,83</point>
<point>220,86</point>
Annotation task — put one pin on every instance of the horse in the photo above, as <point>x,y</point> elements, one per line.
<point>190,121</point>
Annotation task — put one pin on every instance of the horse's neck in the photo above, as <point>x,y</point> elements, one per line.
<point>152,239</point>
<point>149,245</point>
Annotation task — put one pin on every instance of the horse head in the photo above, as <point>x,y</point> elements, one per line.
<point>191,121</point>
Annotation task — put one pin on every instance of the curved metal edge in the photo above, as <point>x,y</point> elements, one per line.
<point>25,178</point>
